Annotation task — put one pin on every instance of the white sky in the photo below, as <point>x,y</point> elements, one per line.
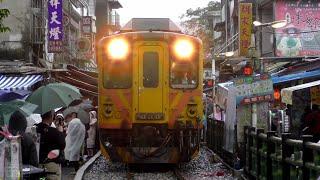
<point>157,9</point>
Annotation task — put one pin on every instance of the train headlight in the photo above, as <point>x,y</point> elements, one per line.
<point>118,49</point>
<point>183,48</point>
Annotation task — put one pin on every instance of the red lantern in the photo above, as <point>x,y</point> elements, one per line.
<point>276,94</point>
<point>247,70</point>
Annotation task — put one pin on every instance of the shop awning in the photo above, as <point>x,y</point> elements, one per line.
<point>86,82</point>
<point>287,93</point>
<point>16,83</point>
<point>296,76</point>
<point>16,87</point>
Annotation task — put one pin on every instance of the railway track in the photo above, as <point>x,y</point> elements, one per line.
<point>199,168</point>
<point>174,174</point>
<point>154,171</point>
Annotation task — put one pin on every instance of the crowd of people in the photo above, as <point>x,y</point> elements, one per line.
<point>65,140</point>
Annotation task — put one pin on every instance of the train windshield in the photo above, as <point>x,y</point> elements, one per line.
<point>183,74</point>
<point>117,75</point>
<point>150,69</point>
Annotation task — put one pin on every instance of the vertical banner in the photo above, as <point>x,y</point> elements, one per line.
<point>301,35</point>
<point>245,25</point>
<point>55,26</point>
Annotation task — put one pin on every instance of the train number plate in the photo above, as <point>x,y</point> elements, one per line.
<point>149,116</point>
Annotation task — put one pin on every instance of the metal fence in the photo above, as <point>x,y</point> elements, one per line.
<point>268,156</point>
<point>215,133</point>
<point>215,136</point>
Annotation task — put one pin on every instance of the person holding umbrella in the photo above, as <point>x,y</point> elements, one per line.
<point>48,98</point>
<point>17,126</point>
<point>50,139</point>
<point>75,136</point>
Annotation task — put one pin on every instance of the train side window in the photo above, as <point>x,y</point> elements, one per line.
<point>150,69</point>
<point>184,75</point>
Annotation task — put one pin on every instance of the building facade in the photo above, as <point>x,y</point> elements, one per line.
<point>28,40</point>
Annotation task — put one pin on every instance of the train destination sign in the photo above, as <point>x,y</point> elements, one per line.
<point>149,116</point>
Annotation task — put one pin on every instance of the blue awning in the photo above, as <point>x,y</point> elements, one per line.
<point>16,87</point>
<point>14,83</point>
<point>291,77</point>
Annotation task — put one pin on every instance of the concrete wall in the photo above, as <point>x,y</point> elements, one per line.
<point>264,35</point>
<point>13,43</point>
<point>267,32</point>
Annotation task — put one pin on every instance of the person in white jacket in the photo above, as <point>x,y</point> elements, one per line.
<point>91,140</point>
<point>75,137</point>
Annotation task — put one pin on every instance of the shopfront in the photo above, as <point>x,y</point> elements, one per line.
<point>297,98</point>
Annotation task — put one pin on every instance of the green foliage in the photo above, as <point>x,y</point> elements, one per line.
<point>3,14</point>
<point>199,22</point>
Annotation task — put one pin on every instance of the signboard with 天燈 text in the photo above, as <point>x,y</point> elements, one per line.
<point>55,26</point>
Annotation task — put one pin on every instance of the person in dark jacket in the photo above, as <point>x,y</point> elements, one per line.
<point>17,126</point>
<point>50,139</point>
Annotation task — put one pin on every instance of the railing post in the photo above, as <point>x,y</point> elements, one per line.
<point>306,156</point>
<point>250,144</point>
<point>285,153</point>
<point>209,131</point>
<point>258,147</point>
<point>245,137</point>
<point>211,135</point>
<point>215,137</point>
<point>270,150</point>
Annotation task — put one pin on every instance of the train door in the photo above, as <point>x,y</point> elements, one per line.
<point>150,83</point>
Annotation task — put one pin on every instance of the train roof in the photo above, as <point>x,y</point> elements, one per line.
<point>150,24</point>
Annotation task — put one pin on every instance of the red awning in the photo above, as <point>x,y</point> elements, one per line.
<point>87,83</point>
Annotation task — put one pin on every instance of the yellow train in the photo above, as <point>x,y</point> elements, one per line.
<point>150,93</point>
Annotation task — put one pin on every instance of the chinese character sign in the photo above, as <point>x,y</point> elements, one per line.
<point>301,36</point>
<point>254,89</point>
<point>86,25</point>
<point>55,26</point>
<point>245,25</point>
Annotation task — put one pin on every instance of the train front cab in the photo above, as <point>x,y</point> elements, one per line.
<point>150,104</point>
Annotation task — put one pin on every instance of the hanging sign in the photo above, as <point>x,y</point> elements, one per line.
<point>254,89</point>
<point>55,26</point>
<point>301,35</point>
<point>245,25</point>
<point>86,25</point>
